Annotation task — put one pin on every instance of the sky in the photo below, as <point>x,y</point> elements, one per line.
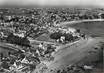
<point>53,2</point>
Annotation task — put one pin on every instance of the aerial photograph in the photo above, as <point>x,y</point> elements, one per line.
<point>51,36</point>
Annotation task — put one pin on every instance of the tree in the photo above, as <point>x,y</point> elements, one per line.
<point>78,30</point>
<point>23,41</point>
<point>68,37</point>
<point>56,35</point>
<point>102,16</point>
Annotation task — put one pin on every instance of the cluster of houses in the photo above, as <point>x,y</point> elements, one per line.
<point>26,59</point>
<point>65,34</point>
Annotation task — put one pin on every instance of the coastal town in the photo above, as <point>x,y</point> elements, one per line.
<point>39,40</point>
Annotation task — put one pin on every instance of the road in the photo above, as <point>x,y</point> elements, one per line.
<point>78,21</point>
<point>8,46</point>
